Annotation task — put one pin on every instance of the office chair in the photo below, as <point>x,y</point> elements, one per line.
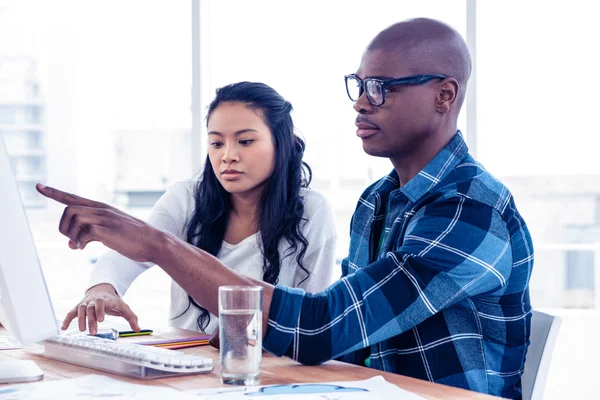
<point>544,330</point>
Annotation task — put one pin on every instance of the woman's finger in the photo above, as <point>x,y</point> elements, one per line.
<point>81,316</point>
<point>68,318</point>
<point>100,307</point>
<point>91,317</point>
<point>130,316</point>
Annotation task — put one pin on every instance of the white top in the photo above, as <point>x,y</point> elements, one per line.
<point>171,214</point>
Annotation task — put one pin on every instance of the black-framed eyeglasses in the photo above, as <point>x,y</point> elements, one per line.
<point>375,88</point>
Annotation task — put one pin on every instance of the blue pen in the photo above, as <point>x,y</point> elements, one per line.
<point>107,333</point>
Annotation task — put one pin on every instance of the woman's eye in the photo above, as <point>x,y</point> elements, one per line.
<point>246,142</point>
<point>216,145</point>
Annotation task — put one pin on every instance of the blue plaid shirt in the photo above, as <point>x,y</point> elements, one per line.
<point>444,297</point>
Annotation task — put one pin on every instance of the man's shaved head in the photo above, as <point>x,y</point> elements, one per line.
<point>415,121</point>
<point>427,46</point>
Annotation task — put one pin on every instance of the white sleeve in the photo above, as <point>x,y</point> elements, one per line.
<point>319,259</point>
<point>170,214</point>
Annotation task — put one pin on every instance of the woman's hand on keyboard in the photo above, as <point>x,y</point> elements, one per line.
<point>100,300</point>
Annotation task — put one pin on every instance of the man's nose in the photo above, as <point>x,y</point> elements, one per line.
<point>363,105</point>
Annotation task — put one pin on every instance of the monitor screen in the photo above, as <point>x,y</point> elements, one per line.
<point>25,306</point>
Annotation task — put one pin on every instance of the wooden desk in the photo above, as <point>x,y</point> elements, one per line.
<point>275,370</point>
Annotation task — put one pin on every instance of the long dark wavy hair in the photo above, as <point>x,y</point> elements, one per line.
<point>281,207</point>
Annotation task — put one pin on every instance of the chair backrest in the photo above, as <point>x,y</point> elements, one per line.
<point>544,330</point>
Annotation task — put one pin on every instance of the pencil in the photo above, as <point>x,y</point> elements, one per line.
<point>134,333</point>
<point>173,346</point>
<point>181,346</point>
<point>177,340</point>
<point>179,343</point>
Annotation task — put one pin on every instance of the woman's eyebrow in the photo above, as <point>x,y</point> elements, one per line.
<point>237,133</point>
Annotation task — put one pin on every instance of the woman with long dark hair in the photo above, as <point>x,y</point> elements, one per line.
<point>251,208</point>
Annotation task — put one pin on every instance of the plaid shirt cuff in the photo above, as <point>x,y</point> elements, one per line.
<point>283,319</point>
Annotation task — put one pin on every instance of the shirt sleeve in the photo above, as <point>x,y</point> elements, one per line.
<point>452,249</point>
<point>169,214</point>
<point>319,259</point>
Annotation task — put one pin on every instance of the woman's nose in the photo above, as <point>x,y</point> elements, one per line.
<point>230,154</point>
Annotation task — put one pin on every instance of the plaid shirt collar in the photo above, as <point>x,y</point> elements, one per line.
<point>433,173</point>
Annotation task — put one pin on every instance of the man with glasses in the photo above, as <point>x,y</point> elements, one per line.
<point>438,270</point>
<point>435,285</point>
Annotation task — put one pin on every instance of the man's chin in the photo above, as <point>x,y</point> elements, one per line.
<point>375,151</point>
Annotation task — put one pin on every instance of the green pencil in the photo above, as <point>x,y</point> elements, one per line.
<point>134,333</point>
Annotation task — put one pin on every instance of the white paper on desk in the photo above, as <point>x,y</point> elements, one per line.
<point>90,387</point>
<point>373,388</point>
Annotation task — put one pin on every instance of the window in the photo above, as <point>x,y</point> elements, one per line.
<point>536,127</point>
<point>8,114</point>
<point>84,90</point>
<point>528,107</point>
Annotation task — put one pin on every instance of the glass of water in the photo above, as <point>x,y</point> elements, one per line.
<point>240,334</point>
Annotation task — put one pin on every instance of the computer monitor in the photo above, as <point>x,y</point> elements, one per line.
<point>25,306</point>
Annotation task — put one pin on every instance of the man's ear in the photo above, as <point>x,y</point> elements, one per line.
<point>447,95</point>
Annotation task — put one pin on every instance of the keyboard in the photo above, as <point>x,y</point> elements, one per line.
<point>129,359</point>
<point>8,342</point>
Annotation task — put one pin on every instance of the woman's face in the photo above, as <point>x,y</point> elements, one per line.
<point>240,148</point>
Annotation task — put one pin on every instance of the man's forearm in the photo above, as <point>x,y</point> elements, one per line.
<point>200,274</point>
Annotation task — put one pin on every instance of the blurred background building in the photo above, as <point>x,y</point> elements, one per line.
<point>21,123</point>
<point>147,162</point>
